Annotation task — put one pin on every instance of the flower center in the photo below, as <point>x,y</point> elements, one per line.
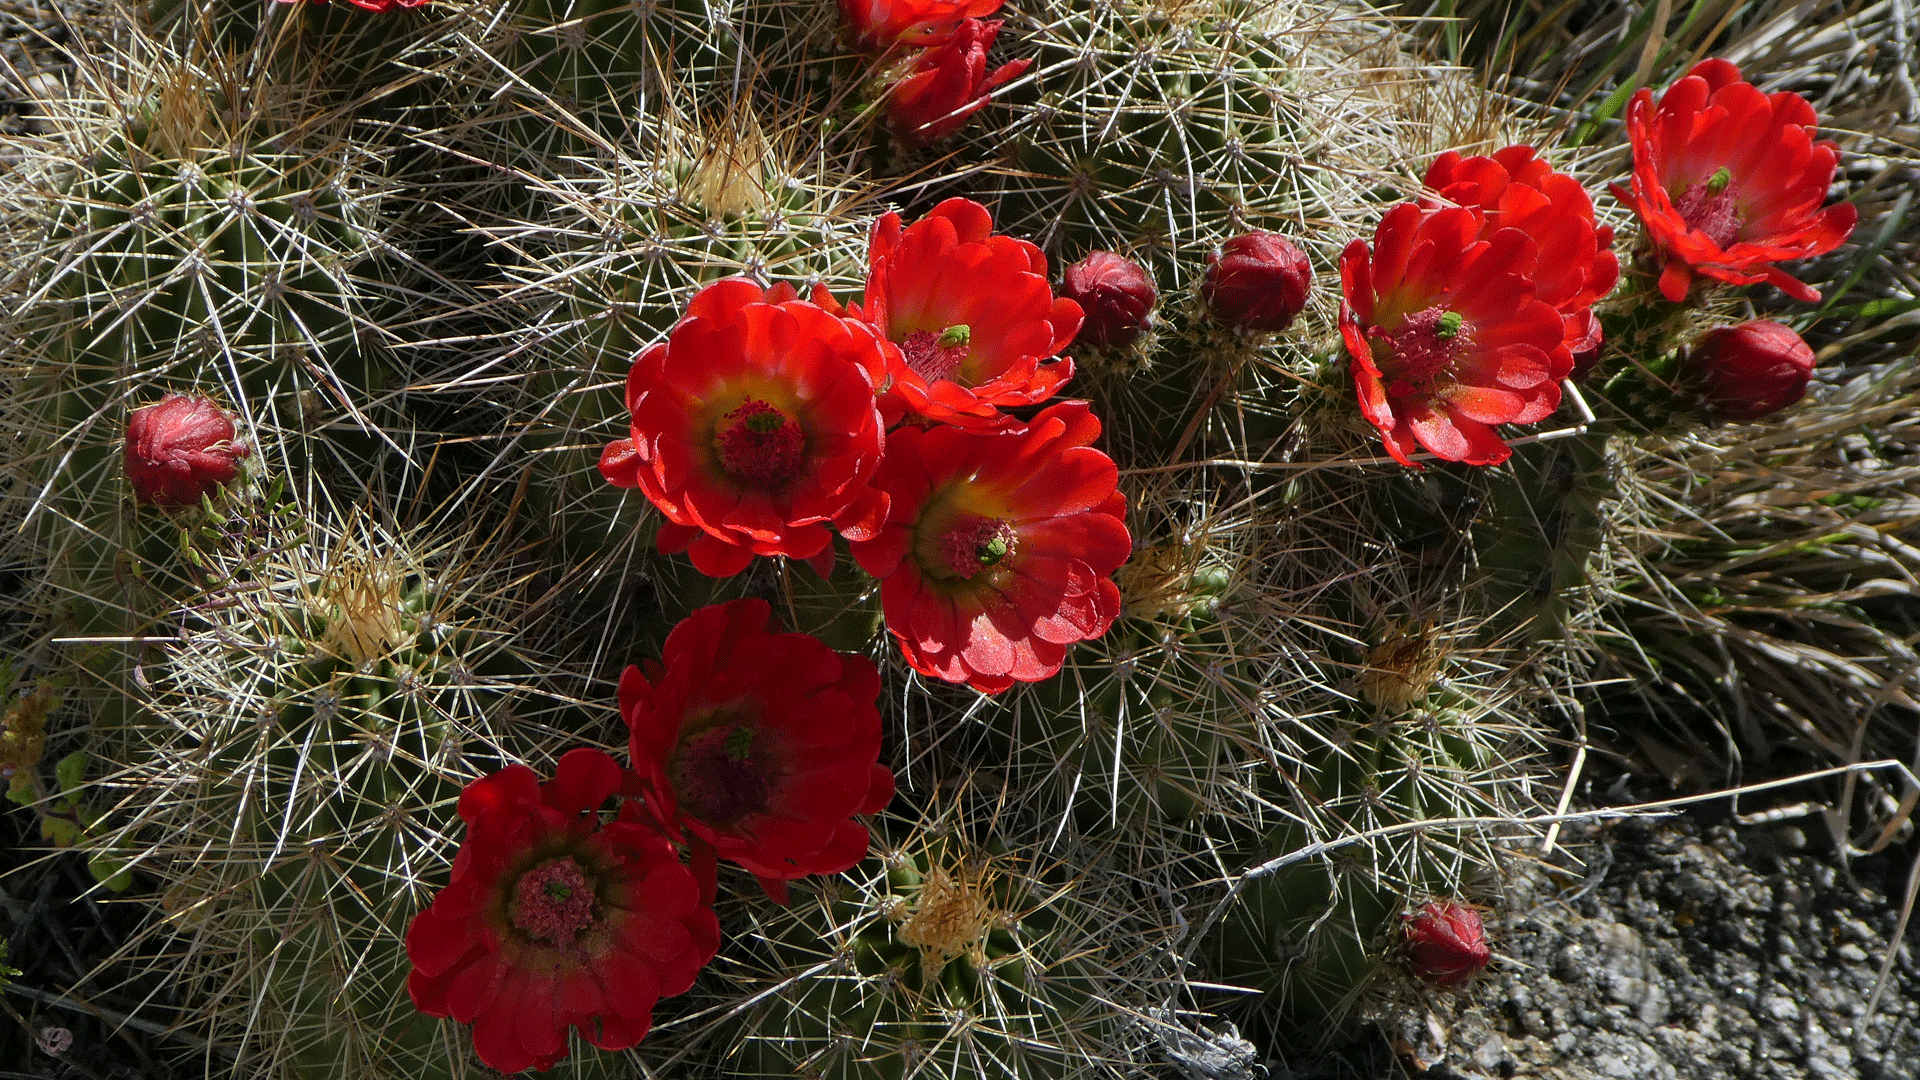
<point>715,775</point>
<point>974,544</point>
<point>1709,208</point>
<point>1422,349</point>
<point>760,445</point>
<point>937,356</point>
<point>553,902</point>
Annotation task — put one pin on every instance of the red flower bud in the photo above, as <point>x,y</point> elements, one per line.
<point>1258,281</point>
<point>180,449</point>
<point>1446,944</point>
<point>1116,295</point>
<point>1745,372</point>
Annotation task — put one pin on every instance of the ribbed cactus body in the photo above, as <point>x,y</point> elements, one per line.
<point>1541,526</point>
<point>194,265</point>
<point>567,81</point>
<point>1155,131</point>
<point>1315,935</point>
<point>183,252</point>
<point>1155,723</point>
<point>948,962</point>
<point>304,741</point>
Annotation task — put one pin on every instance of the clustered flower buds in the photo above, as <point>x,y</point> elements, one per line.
<point>179,450</point>
<point>1446,944</point>
<point>1742,373</point>
<point>1115,295</point>
<point>1259,281</point>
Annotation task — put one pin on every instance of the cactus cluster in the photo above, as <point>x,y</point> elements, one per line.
<point>421,573</point>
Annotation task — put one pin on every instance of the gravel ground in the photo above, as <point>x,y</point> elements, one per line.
<point>1689,952</point>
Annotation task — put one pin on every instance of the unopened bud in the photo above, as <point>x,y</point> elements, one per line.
<point>1116,296</point>
<point>1745,372</point>
<point>179,450</point>
<point>1259,281</point>
<point>1446,945</point>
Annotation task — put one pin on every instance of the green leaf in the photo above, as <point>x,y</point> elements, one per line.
<point>110,872</point>
<point>72,772</point>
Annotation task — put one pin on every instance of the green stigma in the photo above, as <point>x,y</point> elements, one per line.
<point>993,551</point>
<point>557,890</point>
<point>1449,325</point>
<point>1718,182</point>
<point>956,336</point>
<point>739,743</point>
<point>763,423</point>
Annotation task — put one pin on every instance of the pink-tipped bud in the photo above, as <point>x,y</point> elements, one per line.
<point>179,450</point>
<point>1446,945</point>
<point>1116,296</point>
<point>1745,372</point>
<point>1259,281</point>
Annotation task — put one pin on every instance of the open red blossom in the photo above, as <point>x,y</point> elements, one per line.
<point>972,313</point>
<point>179,449</point>
<point>761,744</point>
<point>1514,189</point>
<point>878,25</point>
<point>998,546</point>
<point>1446,336</point>
<point>755,427</point>
<point>948,84</point>
<point>553,919</point>
<point>1728,181</point>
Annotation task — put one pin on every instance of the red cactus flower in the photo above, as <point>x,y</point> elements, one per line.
<point>1446,336</point>
<point>179,449</point>
<point>755,427</point>
<point>877,26</point>
<point>1259,281</point>
<point>1116,296</point>
<point>1742,373</point>
<point>554,920</point>
<point>1728,181</point>
<point>1446,944</point>
<point>1516,190</point>
<point>761,744</point>
<point>998,546</point>
<point>948,84</point>
<point>972,312</point>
